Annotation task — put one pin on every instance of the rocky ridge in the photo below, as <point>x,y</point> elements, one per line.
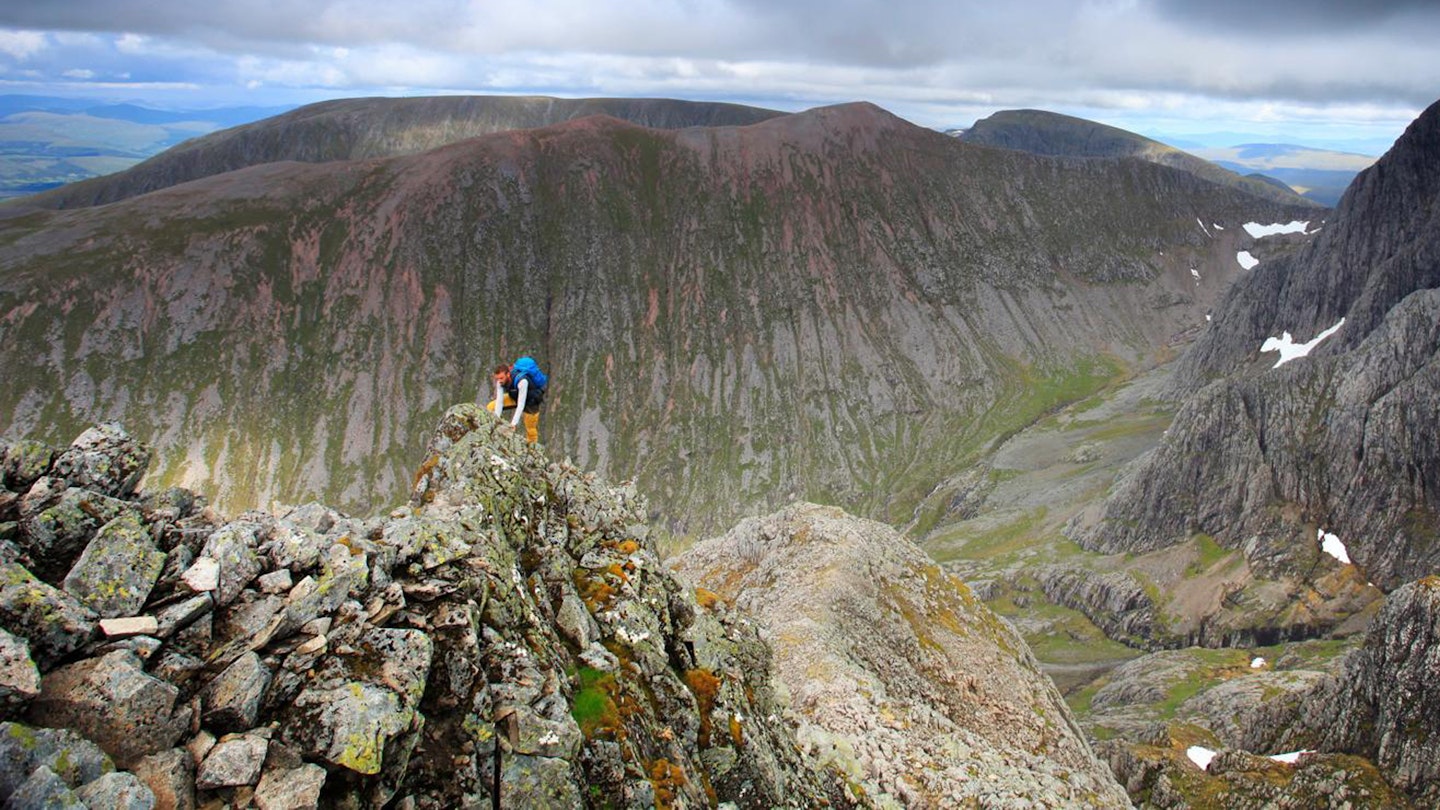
<point>511,626</point>
<point>895,668</point>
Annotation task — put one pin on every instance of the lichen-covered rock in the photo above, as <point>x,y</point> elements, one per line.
<point>117,570</point>
<point>57,522</point>
<point>233,547</point>
<point>43,788</point>
<point>53,623</point>
<point>61,752</point>
<point>105,459</point>
<point>112,701</point>
<point>23,462</point>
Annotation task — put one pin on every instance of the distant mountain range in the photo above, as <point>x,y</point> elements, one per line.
<point>47,142</point>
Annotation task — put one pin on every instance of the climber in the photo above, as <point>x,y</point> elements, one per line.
<point>522,387</point>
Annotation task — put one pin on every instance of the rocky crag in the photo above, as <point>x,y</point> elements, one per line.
<point>834,305</point>
<point>895,669</point>
<point>1365,726</point>
<point>510,629</point>
<point>1344,441</point>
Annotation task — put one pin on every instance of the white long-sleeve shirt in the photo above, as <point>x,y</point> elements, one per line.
<point>522,389</point>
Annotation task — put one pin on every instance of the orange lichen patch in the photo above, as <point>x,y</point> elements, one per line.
<point>708,599</point>
<point>737,731</point>
<point>627,546</point>
<point>618,571</point>
<point>425,469</point>
<point>594,590</point>
<point>667,778</point>
<point>706,686</point>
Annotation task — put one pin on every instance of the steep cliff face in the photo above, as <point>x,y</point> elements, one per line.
<point>510,630</point>
<point>1343,441</point>
<point>358,129</point>
<point>835,305</point>
<point>896,671</point>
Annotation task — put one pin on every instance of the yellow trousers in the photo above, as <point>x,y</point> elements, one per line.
<point>531,420</point>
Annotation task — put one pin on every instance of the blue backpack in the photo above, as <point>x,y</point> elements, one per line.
<point>527,369</point>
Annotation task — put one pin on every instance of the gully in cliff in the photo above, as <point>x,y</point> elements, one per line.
<point>522,387</point>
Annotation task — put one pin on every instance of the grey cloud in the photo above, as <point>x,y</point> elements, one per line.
<point>1340,17</point>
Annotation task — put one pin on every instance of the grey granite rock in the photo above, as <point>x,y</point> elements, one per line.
<point>117,570</point>
<point>112,701</point>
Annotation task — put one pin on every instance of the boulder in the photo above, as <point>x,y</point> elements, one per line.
<point>231,702</point>
<point>44,789</point>
<point>112,701</point>
<point>50,619</point>
<point>104,459</point>
<point>57,523</point>
<point>23,462</point>
<point>170,776</point>
<point>233,547</point>
<point>291,788</point>
<point>120,791</point>
<point>61,752</point>
<point>117,570</point>
<point>233,762</point>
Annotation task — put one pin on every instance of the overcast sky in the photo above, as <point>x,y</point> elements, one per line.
<point>1318,72</point>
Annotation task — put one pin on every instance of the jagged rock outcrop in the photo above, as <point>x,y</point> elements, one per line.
<point>1344,440</point>
<point>510,628</point>
<point>365,128</point>
<point>896,671</point>
<point>1385,704</point>
<point>1048,133</point>
<point>836,304</point>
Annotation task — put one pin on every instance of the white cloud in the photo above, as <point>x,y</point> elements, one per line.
<point>79,73</point>
<point>21,44</point>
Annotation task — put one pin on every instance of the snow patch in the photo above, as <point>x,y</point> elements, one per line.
<point>1330,544</point>
<point>1203,228</point>
<point>1257,662</point>
<point>1217,226</point>
<point>1257,230</point>
<point>1290,758</point>
<point>1200,755</point>
<point>1246,260</point>
<point>1289,350</point>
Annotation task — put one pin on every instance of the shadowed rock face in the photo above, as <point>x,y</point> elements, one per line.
<point>834,304</point>
<point>1345,440</point>
<point>896,671</point>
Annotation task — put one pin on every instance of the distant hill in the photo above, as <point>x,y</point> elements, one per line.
<point>1047,133</point>
<point>363,128</point>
